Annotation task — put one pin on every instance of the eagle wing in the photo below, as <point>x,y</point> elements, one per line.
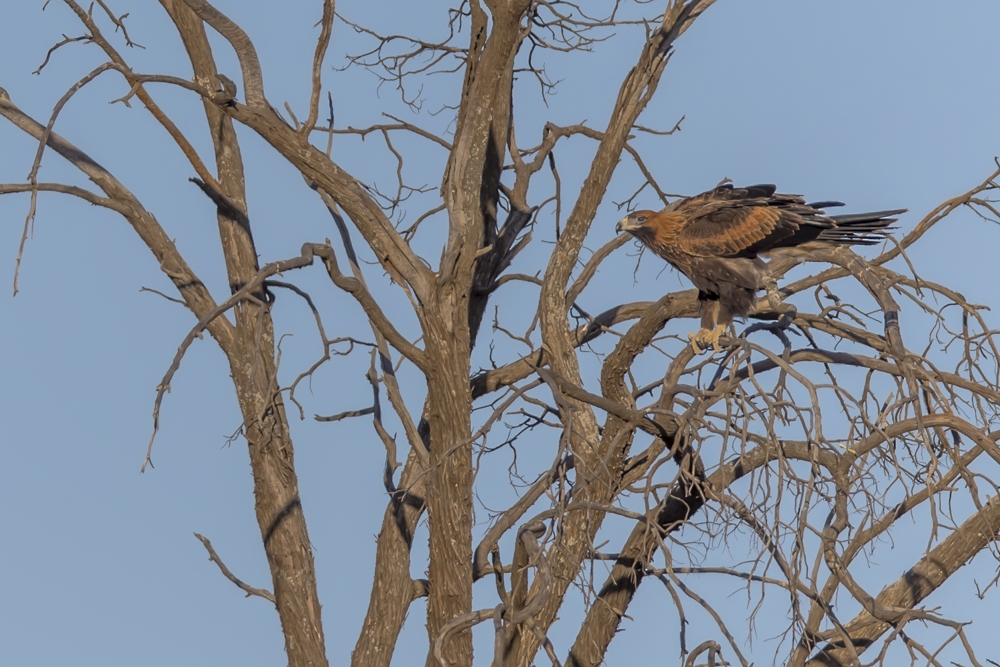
<point>741,222</point>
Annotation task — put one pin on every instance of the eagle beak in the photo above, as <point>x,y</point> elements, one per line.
<point>622,225</point>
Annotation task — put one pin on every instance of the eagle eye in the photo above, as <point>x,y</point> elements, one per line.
<point>640,219</point>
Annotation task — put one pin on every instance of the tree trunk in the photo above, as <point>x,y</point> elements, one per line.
<point>449,493</point>
<point>251,359</point>
<point>278,506</point>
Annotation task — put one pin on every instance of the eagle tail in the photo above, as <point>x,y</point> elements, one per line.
<point>860,228</point>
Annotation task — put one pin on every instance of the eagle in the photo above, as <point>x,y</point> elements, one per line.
<point>717,240</point>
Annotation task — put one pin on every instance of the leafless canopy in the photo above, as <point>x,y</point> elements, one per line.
<point>777,466</point>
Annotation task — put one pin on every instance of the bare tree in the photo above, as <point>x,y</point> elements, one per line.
<point>802,444</point>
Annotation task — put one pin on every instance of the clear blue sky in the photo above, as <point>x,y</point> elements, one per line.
<point>879,104</point>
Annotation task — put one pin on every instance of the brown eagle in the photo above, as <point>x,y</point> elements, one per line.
<point>716,240</point>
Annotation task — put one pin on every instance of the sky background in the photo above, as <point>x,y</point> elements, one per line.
<point>881,104</point>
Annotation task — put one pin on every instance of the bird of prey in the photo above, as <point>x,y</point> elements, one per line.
<point>717,239</point>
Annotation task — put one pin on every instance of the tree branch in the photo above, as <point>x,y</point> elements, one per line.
<point>250,590</point>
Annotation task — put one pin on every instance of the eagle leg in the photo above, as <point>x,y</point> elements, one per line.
<point>706,337</point>
<point>710,331</point>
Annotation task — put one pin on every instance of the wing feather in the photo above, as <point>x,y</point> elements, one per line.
<point>726,222</point>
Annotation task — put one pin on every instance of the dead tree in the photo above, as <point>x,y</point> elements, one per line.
<point>822,425</point>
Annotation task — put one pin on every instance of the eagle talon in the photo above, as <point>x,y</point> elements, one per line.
<point>694,342</point>
<point>707,337</point>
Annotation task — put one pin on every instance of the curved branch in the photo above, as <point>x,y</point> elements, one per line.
<point>357,289</point>
<point>590,268</point>
<point>916,584</point>
<point>85,195</point>
<point>253,79</point>
<point>249,590</point>
<point>136,80</point>
<point>247,292</point>
<point>506,375</point>
<point>317,69</point>
<point>193,291</point>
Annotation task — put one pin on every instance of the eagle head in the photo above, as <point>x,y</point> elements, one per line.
<point>633,221</point>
